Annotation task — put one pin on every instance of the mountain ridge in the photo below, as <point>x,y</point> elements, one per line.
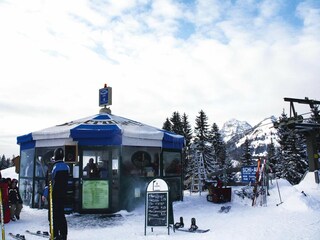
<point>235,133</point>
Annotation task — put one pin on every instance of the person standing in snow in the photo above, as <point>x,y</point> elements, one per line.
<point>15,200</point>
<point>59,177</point>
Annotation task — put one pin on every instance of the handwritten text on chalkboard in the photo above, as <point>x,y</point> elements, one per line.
<point>157,210</point>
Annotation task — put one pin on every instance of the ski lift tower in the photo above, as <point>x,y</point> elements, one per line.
<point>199,174</point>
<point>310,129</point>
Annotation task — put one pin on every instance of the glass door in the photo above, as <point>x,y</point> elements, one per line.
<point>96,178</point>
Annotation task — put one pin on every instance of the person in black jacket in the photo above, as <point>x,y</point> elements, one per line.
<point>15,200</point>
<point>91,170</point>
<point>59,176</point>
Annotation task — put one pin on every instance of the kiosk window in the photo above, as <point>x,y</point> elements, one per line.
<point>43,160</point>
<point>172,163</point>
<point>27,163</point>
<point>141,161</point>
<point>97,164</point>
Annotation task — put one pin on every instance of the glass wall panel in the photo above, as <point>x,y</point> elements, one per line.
<point>27,163</point>
<point>38,193</point>
<point>141,161</point>
<point>96,163</point>
<point>26,176</point>
<point>171,163</point>
<point>43,160</point>
<point>26,190</point>
<point>99,167</point>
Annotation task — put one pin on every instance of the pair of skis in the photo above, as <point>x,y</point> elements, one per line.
<point>17,236</point>
<point>179,226</point>
<point>260,189</point>
<point>22,237</point>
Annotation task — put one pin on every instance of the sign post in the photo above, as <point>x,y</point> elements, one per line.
<point>248,174</point>
<point>105,96</point>
<point>157,205</point>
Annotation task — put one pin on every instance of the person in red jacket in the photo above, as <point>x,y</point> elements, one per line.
<point>15,200</point>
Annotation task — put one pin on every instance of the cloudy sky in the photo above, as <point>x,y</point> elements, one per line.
<point>232,59</point>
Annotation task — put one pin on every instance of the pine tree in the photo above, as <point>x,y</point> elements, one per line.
<point>272,156</point>
<point>283,133</point>
<point>181,126</point>
<point>202,141</point>
<point>246,158</point>
<point>292,157</point>
<point>176,123</point>
<point>3,162</point>
<point>187,130</point>
<point>218,145</point>
<point>201,131</point>
<point>187,133</point>
<point>198,145</point>
<point>214,139</point>
<point>167,125</point>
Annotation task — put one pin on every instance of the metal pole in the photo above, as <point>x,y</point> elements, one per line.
<point>2,216</point>
<point>279,193</point>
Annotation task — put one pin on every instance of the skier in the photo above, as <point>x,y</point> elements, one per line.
<point>15,200</point>
<point>59,177</point>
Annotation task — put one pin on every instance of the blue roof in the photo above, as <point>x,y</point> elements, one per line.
<point>102,129</point>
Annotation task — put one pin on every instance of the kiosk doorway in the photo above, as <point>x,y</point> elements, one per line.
<point>99,179</point>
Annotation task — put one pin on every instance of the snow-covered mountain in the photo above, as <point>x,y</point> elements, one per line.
<point>236,132</point>
<point>260,136</point>
<point>233,128</point>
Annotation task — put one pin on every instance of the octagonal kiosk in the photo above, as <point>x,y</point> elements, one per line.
<point>126,154</point>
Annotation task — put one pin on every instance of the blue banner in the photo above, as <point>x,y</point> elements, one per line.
<point>248,173</point>
<point>105,96</point>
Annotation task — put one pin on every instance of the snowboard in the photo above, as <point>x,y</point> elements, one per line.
<point>39,233</point>
<point>225,209</point>
<point>17,236</point>
<point>194,231</point>
<point>179,226</point>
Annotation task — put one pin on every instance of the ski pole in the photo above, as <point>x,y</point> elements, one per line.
<point>2,216</point>
<point>51,208</point>
<point>279,193</point>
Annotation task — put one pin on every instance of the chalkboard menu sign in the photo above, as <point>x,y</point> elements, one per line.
<point>157,205</point>
<point>157,209</point>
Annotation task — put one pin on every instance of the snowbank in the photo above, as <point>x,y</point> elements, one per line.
<point>296,218</point>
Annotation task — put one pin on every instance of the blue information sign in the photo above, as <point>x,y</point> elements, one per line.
<point>105,96</point>
<point>248,173</point>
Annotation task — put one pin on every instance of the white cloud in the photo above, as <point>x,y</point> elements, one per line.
<point>240,61</point>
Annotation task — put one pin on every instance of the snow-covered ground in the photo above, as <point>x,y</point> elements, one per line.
<point>297,218</point>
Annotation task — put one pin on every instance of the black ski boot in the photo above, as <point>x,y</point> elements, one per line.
<point>179,224</point>
<point>193,226</point>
